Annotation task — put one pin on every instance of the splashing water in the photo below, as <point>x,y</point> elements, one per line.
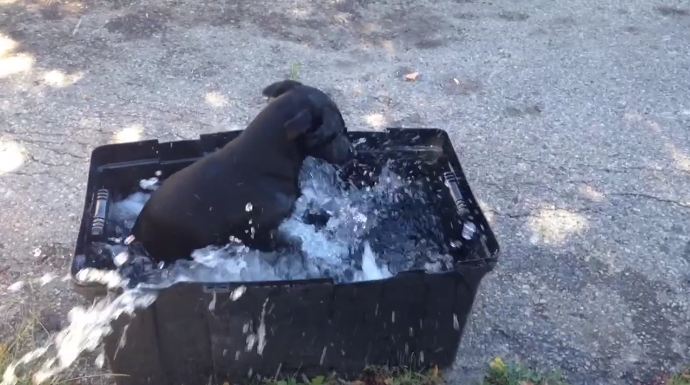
<point>333,231</point>
<point>85,332</point>
<point>336,230</point>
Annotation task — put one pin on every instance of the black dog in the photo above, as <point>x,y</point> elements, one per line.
<point>247,188</point>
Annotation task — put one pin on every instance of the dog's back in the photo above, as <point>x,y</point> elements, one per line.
<point>246,188</point>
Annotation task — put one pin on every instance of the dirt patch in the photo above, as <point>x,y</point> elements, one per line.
<point>459,86</point>
<point>138,25</point>
<point>421,28</point>
<point>52,12</point>
<point>466,16</point>
<point>336,25</point>
<point>56,254</point>
<point>513,16</point>
<point>522,111</point>
<point>632,29</point>
<point>667,10</point>
<point>566,21</point>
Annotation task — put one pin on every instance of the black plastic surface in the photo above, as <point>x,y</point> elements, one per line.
<point>313,326</point>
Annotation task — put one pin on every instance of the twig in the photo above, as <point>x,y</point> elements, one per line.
<point>76,27</point>
<point>38,321</point>
<point>280,366</point>
<point>96,376</point>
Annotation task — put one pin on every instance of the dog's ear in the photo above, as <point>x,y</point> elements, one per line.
<point>298,125</point>
<point>278,88</point>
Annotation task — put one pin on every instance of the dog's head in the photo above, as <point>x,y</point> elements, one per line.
<point>319,126</point>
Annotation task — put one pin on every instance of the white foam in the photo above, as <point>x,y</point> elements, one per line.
<point>370,269</point>
<point>109,278</point>
<point>121,258</point>
<point>87,329</point>
<point>85,332</point>
<point>150,184</point>
<point>125,212</point>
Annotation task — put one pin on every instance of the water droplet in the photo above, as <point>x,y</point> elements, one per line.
<point>212,304</point>
<point>121,258</point>
<point>100,360</point>
<point>323,355</point>
<point>238,292</point>
<point>129,240</point>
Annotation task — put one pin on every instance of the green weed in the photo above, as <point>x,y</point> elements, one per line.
<point>371,376</point>
<point>682,378</point>
<point>500,373</point>
<point>295,71</point>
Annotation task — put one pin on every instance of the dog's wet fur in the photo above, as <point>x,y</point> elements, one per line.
<point>248,187</point>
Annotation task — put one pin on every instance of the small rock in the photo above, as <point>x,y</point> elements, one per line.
<point>16,286</point>
<point>412,76</point>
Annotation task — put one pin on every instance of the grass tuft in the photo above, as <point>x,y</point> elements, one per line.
<point>682,378</point>
<point>371,376</point>
<point>26,337</point>
<point>500,373</point>
<point>23,340</point>
<point>295,71</point>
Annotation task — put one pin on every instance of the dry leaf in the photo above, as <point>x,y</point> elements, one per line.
<point>412,76</point>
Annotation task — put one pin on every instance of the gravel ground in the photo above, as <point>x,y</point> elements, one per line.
<point>571,118</point>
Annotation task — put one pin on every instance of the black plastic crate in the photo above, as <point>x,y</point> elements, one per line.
<point>414,318</point>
